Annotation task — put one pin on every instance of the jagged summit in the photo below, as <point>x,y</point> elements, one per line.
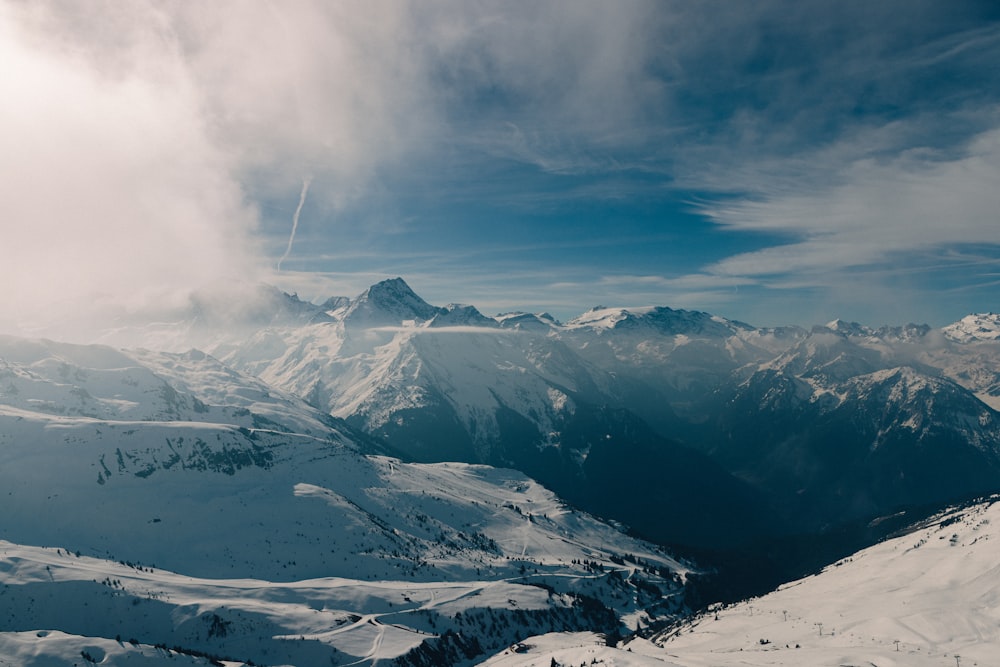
<point>392,302</point>
<point>389,302</point>
<point>335,303</point>
<point>660,318</point>
<point>456,314</point>
<point>847,328</point>
<point>976,327</point>
<point>906,332</point>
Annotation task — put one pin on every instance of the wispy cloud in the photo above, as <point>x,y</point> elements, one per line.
<point>876,211</point>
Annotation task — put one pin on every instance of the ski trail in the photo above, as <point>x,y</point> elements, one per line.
<point>377,644</point>
<point>295,219</point>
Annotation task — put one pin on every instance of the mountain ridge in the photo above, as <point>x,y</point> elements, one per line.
<point>154,468</point>
<point>765,452</point>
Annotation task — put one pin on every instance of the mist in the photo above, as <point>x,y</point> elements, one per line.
<point>117,201</point>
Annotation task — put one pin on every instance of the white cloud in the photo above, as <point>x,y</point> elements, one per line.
<point>145,144</point>
<point>114,195</point>
<point>876,211</point>
<point>139,137</point>
<point>137,140</point>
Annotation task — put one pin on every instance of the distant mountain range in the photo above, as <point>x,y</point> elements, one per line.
<point>382,438</point>
<point>839,423</point>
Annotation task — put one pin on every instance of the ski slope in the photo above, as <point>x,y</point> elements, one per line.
<point>929,598</point>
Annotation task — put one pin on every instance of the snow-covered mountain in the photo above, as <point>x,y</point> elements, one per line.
<point>347,440</point>
<point>876,442</point>
<point>789,412</point>
<point>388,303</point>
<point>140,470</point>
<point>976,327</point>
<point>924,598</point>
<point>446,385</point>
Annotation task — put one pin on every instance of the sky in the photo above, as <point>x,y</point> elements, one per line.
<point>776,162</point>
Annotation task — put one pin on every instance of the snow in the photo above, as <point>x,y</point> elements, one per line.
<point>917,600</point>
<point>50,592</point>
<point>973,328</point>
<point>337,613</point>
<point>193,492</point>
<point>605,318</point>
<point>936,591</point>
<point>267,514</point>
<point>582,648</point>
<point>55,649</point>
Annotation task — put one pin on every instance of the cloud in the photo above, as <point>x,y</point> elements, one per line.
<point>143,140</point>
<point>332,90</point>
<point>139,142</point>
<point>115,197</point>
<point>564,86</point>
<point>855,161</point>
<point>156,147</point>
<point>877,211</point>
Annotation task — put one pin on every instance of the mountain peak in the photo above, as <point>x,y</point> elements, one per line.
<point>848,328</point>
<point>527,321</point>
<point>389,302</point>
<point>660,318</point>
<point>335,303</point>
<point>975,327</point>
<point>457,314</point>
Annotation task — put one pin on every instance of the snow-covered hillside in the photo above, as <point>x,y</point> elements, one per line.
<point>928,598</point>
<point>263,461</point>
<point>57,604</point>
<point>919,599</point>
<point>184,504</point>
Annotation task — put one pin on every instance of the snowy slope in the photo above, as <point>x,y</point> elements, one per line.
<point>457,363</point>
<point>919,599</point>
<point>928,598</point>
<point>174,466</point>
<point>512,396</point>
<point>869,445</point>
<point>389,354</point>
<point>976,327</point>
<point>672,358</point>
<point>101,382</point>
<point>970,355</point>
<point>326,620</point>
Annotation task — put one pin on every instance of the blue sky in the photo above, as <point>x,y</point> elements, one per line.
<point>774,162</point>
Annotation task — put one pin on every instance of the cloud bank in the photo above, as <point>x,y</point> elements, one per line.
<point>156,148</point>
<point>142,139</point>
<point>116,198</point>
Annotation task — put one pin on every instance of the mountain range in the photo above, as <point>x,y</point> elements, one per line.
<point>368,474</point>
<point>768,432</point>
